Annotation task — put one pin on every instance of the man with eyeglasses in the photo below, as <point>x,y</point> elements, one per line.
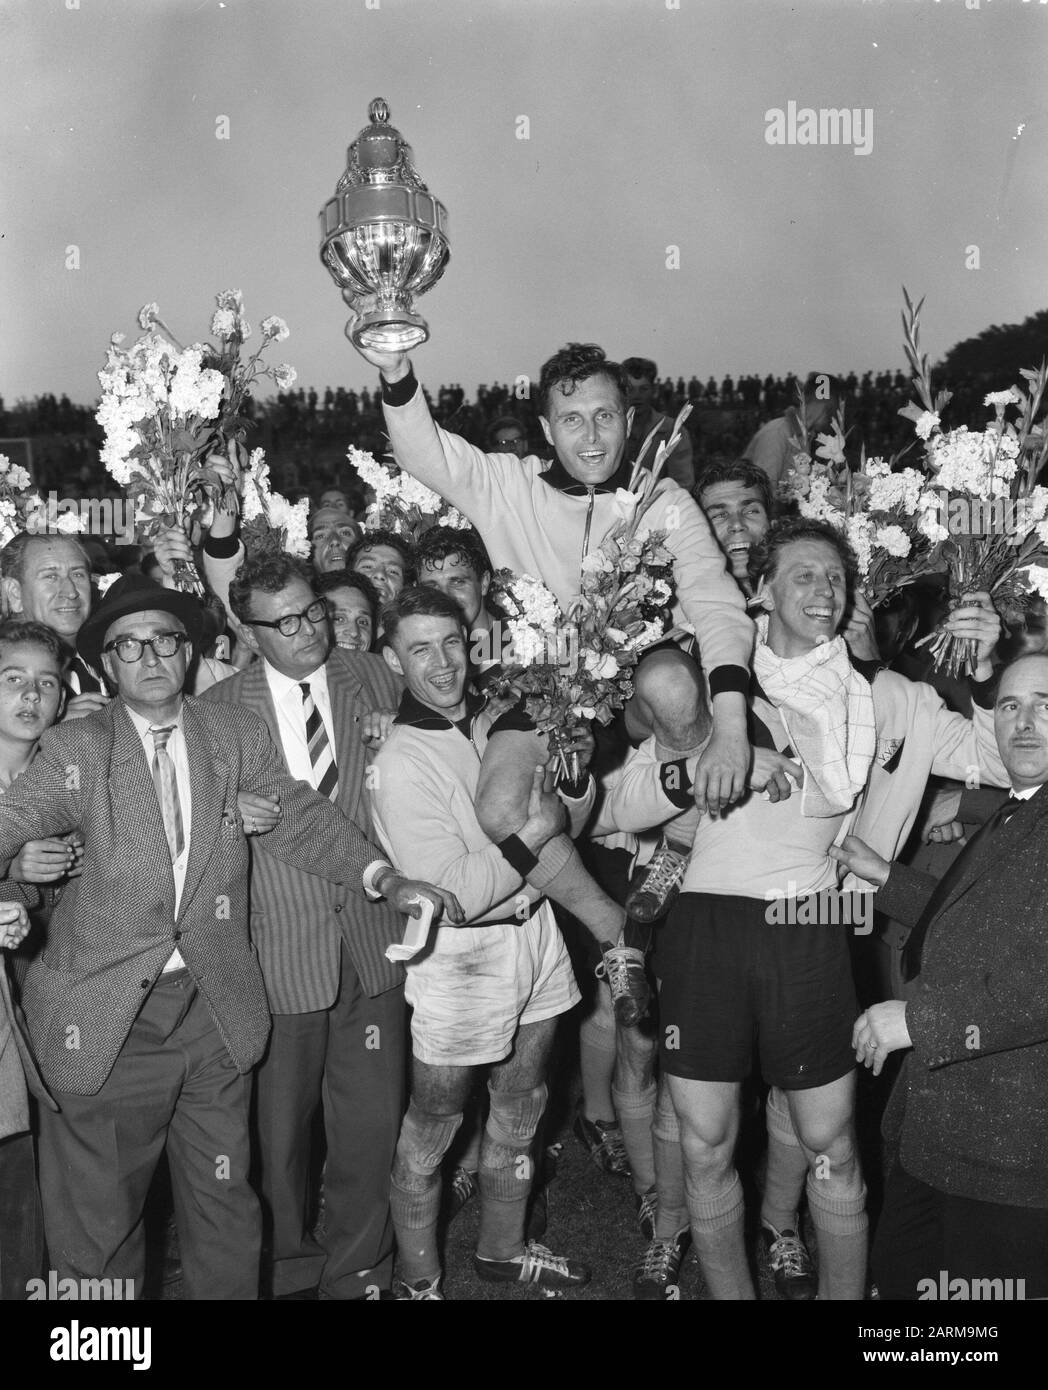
<point>338,1004</point>
<point>508,437</point>
<point>147,1009</point>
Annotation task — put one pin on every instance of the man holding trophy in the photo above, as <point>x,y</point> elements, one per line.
<point>383,239</point>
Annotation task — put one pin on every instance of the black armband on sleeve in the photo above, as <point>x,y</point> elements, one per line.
<point>983,692</point>
<point>398,392</point>
<point>222,548</point>
<point>724,678</point>
<point>676,784</point>
<point>516,853</point>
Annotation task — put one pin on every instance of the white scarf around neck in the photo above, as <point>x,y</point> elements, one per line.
<point>826,707</point>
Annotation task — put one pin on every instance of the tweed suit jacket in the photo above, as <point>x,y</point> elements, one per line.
<point>298,920</point>
<point>18,1071</point>
<point>969,1112</point>
<point>115,926</point>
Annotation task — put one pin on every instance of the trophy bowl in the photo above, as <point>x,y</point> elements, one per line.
<point>383,238</point>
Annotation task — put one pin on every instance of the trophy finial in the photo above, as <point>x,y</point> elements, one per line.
<point>378,112</point>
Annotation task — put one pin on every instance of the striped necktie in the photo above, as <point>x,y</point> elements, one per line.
<point>325,773</point>
<point>167,790</point>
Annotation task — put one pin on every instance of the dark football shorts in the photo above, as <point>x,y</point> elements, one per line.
<point>733,984</point>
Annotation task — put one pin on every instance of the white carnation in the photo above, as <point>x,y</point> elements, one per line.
<point>859,530</point>
<point>276,328</point>
<point>1036,578</point>
<point>223,322</point>
<point>69,523</point>
<point>894,540</point>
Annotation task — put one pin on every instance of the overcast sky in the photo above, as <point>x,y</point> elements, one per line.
<point>647,131</point>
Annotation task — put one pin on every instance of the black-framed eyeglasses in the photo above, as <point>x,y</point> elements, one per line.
<point>130,649</point>
<point>517,439</point>
<point>290,623</point>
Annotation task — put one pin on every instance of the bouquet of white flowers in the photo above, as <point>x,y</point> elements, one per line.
<point>165,408</point>
<point>579,665</point>
<point>874,507</point>
<point>981,505</point>
<point>402,504</point>
<point>270,524</point>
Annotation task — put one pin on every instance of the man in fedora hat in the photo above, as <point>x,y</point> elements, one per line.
<point>146,1008</point>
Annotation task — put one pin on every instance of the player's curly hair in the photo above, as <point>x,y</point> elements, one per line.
<point>575,363</point>
<point>441,543</point>
<point>764,559</point>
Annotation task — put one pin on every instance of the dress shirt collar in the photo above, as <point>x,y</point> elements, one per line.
<point>1026,793</point>
<point>143,725</point>
<point>281,686</point>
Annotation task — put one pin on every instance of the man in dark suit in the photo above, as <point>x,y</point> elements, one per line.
<point>339,1024</point>
<point>967,1198</point>
<point>146,1008</point>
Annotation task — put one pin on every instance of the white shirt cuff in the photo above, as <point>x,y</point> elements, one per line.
<point>376,867</point>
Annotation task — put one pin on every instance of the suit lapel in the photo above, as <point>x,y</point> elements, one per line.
<point>348,702</point>
<point>994,854</point>
<point>208,776</point>
<point>255,694</point>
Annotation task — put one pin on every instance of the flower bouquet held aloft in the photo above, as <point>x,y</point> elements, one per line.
<point>166,408</point>
<point>874,507</point>
<point>270,525</point>
<point>402,504</point>
<point>579,665</point>
<point>982,506</point>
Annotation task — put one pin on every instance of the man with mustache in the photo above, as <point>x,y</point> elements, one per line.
<point>968,1118</point>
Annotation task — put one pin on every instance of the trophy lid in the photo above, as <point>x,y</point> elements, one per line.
<point>380,154</point>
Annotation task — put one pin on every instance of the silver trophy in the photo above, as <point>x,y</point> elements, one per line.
<point>383,238</point>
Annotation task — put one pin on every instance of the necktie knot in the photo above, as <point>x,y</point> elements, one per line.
<point>160,736</point>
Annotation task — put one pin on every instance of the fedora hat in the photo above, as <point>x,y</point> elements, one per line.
<point>134,593</point>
